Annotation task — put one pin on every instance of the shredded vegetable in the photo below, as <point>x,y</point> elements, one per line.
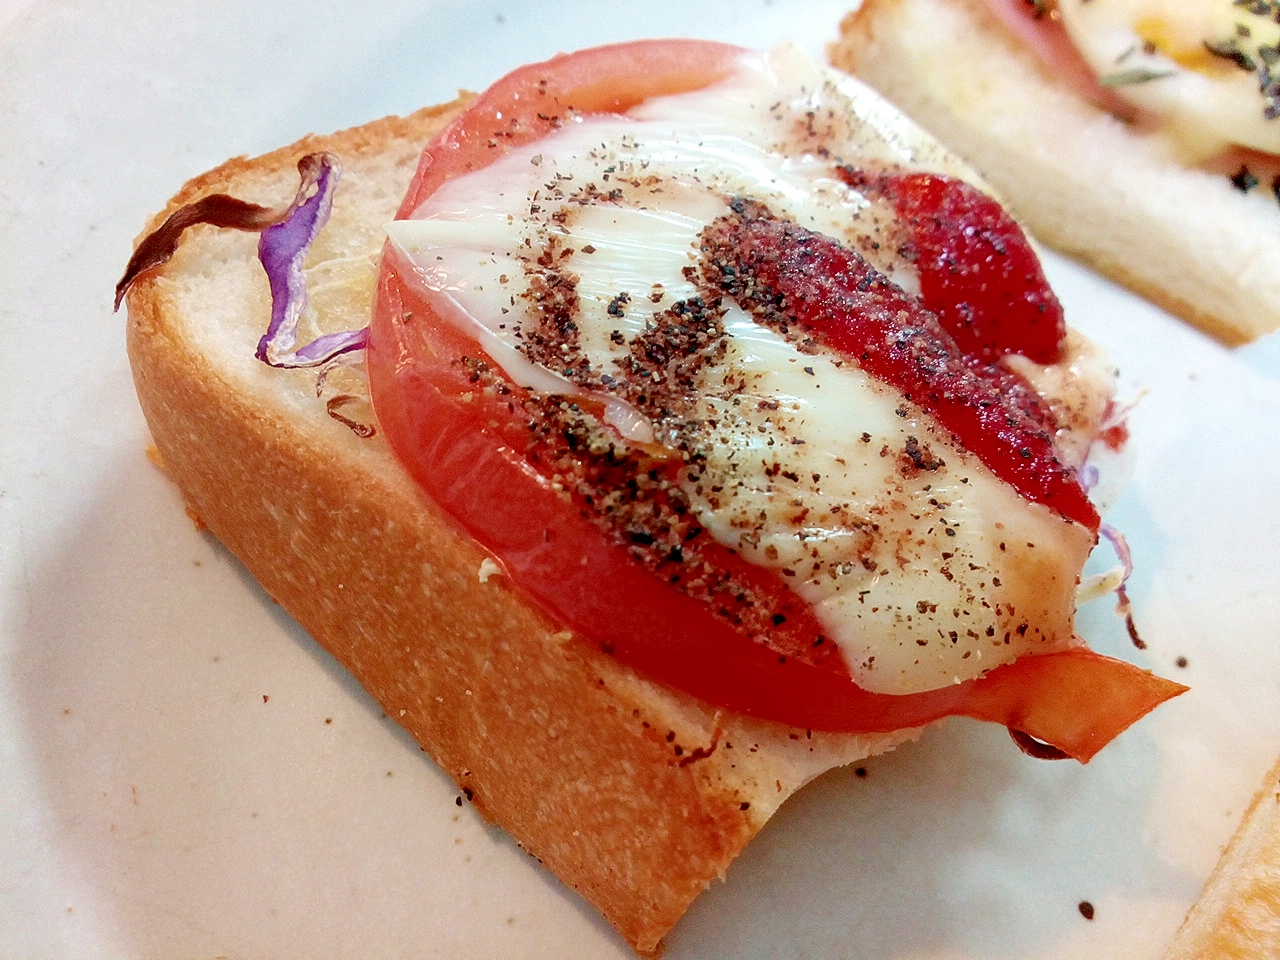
<point>281,248</point>
<point>286,235</point>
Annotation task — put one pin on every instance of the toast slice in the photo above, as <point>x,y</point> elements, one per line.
<point>1085,182</point>
<point>635,796</point>
<point>1238,914</point>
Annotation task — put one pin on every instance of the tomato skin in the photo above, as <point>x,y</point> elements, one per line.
<point>467,450</point>
<point>532,101</point>
<point>978,272</point>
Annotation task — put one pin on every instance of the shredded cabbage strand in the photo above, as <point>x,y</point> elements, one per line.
<point>282,249</point>
<point>286,235</point>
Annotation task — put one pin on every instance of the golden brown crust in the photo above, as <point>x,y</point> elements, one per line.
<point>1086,184</point>
<point>635,796</point>
<point>1238,914</point>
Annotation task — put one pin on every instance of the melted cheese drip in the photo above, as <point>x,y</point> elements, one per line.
<point>1156,54</point>
<point>923,576</point>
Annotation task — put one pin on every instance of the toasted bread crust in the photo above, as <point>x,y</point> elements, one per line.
<point>1238,915</point>
<point>634,795</point>
<point>1084,182</point>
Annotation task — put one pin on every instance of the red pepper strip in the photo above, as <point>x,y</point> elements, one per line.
<point>788,274</point>
<point>977,271</point>
<point>559,560</point>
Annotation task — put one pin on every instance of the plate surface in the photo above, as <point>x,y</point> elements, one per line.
<point>187,774</point>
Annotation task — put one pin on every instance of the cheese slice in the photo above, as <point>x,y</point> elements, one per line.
<point>921,565</point>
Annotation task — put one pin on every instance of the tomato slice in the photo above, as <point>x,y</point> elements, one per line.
<point>465,442</point>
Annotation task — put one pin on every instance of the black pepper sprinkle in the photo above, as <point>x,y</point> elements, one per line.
<point>1243,180</point>
<point>617,305</point>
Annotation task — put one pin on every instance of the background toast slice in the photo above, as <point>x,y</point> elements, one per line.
<point>1083,181</point>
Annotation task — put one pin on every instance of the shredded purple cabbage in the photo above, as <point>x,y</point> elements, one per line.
<point>1088,476</point>
<point>286,233</point>
<point>281,248</point>
<point>1124,609</point>
<point>1121,546</point>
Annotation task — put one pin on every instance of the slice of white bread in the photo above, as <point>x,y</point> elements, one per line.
<point>1082,180</point>
<point>1238,915</point>
<point>635,796</point>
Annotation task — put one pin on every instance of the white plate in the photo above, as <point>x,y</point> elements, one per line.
<point>186,774</point>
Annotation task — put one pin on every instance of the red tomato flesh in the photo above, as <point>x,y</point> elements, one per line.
<point>474,458</point>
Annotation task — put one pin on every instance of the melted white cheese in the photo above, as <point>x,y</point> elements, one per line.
<point>924,577</point>
<point>1157,54</point>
